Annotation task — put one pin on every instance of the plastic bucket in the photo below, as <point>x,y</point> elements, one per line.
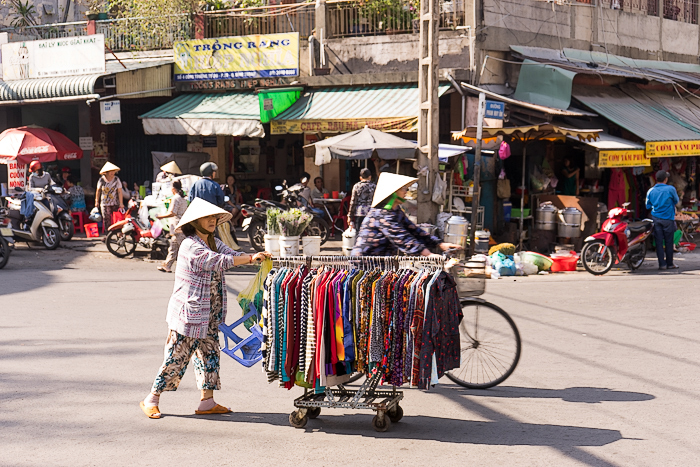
<point>335,194</point>
<point>272,244</point>
<point>311,245</point>
<point>289,246</point>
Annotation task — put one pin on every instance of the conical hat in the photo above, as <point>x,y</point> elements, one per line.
<point>108,167</point>
<point>171,168</point>
<point>199,208</point>
<point>388,184</point>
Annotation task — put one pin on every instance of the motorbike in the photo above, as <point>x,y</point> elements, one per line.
<point>125,235</point>
<point>255,216</point>
<point>53,194</point>
<point>619,242</point>
<point>42,227</point>
<point>7,243</point>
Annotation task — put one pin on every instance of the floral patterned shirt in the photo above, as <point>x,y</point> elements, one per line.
<point>385,232</point>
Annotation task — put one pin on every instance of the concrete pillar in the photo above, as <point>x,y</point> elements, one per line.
<point>199,26</point>
<point>321,20</point>
<point>85,130</point>
<point>91,27</point>
<point>429,112</point>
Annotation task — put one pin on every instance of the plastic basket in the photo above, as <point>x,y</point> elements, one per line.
<point>92,230</point>
<point>470,277</point>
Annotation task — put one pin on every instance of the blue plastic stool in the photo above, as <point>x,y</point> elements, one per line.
<point>249,347</point>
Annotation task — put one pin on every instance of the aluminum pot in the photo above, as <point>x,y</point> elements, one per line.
<point>546,217</point>
<point>569,224</point>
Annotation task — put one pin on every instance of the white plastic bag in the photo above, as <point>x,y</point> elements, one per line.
<point>439,190</point>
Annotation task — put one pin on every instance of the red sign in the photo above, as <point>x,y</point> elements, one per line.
<point>17,175</point>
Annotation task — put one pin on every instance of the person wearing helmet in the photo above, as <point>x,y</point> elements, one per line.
<point>38,179</point>
<point>197,307</point>
<point>387,229</point>
<point>206,188</point>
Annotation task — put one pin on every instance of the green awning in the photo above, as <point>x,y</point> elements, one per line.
<point>275,101</point>
<point>544,85</point>
<point>230,113</point>
<point>78,87</point>
<point>390,108</point>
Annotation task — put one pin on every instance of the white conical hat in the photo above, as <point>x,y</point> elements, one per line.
<point>388,184</point>
<point>108,167</point>
<point>199,208</point>
<point>171,168</point>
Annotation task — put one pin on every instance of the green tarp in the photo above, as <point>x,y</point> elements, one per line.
<point>544,85</point>
<point>275,101</point>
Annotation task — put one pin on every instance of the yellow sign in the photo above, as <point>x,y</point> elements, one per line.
<point>392,125</point>
<point>629,158</point>
<point>673,148</point>
<point>240,57</point>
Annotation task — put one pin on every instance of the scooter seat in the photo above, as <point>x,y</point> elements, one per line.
<point>639,226</point>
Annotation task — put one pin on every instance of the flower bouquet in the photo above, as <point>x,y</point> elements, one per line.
<point>273,227</point>
<point>292,223</point>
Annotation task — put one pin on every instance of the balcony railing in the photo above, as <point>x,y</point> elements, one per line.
<point>298,17</point>
<point>145,33</point>
<point>46,31</point>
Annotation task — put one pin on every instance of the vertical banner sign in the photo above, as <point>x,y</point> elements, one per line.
<point>110,112</point>
<point>16,175</point>
<point>240,57</point>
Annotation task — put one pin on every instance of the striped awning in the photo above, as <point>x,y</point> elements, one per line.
<point>389,108</point>
<point>67,87</point>
<point>230,113</point>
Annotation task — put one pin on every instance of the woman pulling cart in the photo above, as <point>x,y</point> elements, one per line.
<point>197,307</point>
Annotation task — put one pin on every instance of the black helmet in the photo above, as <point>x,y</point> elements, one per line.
<point>207,169</point>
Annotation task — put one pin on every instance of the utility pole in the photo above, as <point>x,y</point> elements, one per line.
<point>428,118</point>
<point>477,173</point>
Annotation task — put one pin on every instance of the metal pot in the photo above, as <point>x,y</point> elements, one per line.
<point>569,224</point>
<point>546,217</point>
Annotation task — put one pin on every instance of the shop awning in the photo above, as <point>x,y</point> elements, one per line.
<point>665,134</point>
<point>389,108</point>
<point>231,113</point>
<point>617,152</point>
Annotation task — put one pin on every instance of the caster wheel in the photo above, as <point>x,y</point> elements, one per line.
<point>313,412</point>
<point>395,414</point>
<point>381,426</point>
<point>296,421</point>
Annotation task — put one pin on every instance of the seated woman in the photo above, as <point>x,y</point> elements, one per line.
<point>77,195</point>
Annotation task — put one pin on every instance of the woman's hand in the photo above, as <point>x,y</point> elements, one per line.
<point>449,246</point>
<point>260,256</point>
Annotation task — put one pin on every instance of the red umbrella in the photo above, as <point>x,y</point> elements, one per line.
<point>32,143</point>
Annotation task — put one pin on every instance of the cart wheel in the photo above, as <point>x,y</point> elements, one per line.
<point>395,413</point>
<point>313,412</point>
<point>383,425</point>
<point>296,421</point>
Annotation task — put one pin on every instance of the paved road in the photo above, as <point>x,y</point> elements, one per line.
<point>608,376</point>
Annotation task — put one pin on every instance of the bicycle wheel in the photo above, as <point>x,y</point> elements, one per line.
<point>490,346</point>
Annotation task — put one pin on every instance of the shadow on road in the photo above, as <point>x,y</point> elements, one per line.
<point>446,430</point>
<point>579,394</point>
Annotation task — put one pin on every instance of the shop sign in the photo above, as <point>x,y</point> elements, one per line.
<point>494,110</point>
<point>673,148</point>
<point>64,56</point>
<point>110,112</point>
<point>227,84</point>
<point>281,127</point>
<point>16,175</point>
<point>85,143</point>
<point>630,158</point>
<point>239,57</point>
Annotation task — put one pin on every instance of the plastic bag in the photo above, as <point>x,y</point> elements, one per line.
<point>439,190</point>
<point>156,228</point>
<point>504,151</point>
<point>251,298</point>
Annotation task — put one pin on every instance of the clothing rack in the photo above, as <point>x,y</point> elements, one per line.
<point>367,397</point>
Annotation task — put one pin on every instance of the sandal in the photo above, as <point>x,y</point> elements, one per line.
<point>151,411</point>
<point>163,268</point>
<point>217,409</point>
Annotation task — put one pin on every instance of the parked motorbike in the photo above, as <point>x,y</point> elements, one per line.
<point>7,243</point>
<point>255,222</point>
<point>42,227</point>
<point>125,235</point>
<point>620,241</point>
<point>61,211</point>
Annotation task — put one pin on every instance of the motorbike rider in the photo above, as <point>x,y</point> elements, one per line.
<point>387,229</point>
<point>210,191</point>
<point>38,179</point>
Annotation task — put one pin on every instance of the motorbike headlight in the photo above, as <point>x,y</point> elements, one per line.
<point>627,233</point>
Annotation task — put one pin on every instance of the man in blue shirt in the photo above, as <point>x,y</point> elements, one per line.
<point>206,188</point>
<point>662,200</point>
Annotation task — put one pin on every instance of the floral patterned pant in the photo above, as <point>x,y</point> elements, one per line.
<point>180,349</point>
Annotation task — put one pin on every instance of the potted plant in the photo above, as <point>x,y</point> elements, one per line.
<point>272,237</point>
<point>292,224</point>
<point>95,10</point>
